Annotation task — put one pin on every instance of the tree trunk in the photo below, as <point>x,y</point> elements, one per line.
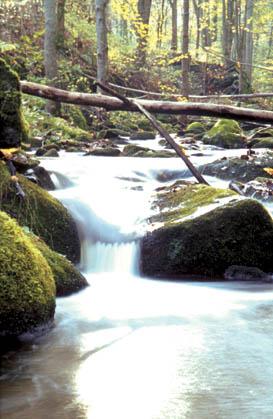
<point>102,43</point>
<point>142,30</point>
<point>185,63</point>
<point>247,57</point>
<point>50,49</point>
<point>61,24</point>
<point>173,4</point>
<point>154,106</point>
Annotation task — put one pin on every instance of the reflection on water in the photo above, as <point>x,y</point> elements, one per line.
<point>132,348</point>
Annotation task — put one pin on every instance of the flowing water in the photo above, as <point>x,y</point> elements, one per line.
<point>131,348</point>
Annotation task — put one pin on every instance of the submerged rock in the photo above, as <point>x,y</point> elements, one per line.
<point>266,142</point>
<point>27,288</point>
<point>241,169</point>
<point>246,273</point>
<point>145,135</point>
<point>225,133</point>
<point>260,188</point>
<point>67,278</point>
<point>42,213</point>
<point>239,233</point>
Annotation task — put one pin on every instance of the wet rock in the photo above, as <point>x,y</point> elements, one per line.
<point>27,288</point>
<point>51,153</point>
<point>40,152</point>
<point>225,133</point>
<point>246,273</point>
<point>115,133</point>
<point>235,168</point>
<point>260,188</point>
<point>145,135</point>
<point>240,233</point>
<point>104,151</point>
<point>36,142</point>
<point>43,178</point>
<point>23,162</point>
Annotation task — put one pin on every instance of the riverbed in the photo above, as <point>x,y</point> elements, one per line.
<point>128,347</point>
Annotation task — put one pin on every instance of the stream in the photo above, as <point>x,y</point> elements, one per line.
<point>128,347</point>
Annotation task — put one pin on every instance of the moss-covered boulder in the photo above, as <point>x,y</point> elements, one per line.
<point>67,278</point>
<point>12,126</point>
<point>27,288</point>
<point>266,142</point>
<point>144,135</point>
<point>42,213</point>
<point>225,133</point>
<point>240,169</point>
<point>239,233</point>
<point>196,128</point>
<point>132,150</point>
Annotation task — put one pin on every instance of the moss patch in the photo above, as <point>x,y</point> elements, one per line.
<point>225,133</point>
<point>196,128</point>
<point>67,278</point>
<point>27,288</point>
<point>13,128</point>
<point>42,213</point>
<point>182,200</point>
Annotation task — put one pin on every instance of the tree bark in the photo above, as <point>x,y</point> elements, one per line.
<point>50,49</point>
<point>102,42</point>
<point>153,106</point>
<point>173,4</point>
<point>142,30</point>
<point>60,24</point>
<point>185,62</point>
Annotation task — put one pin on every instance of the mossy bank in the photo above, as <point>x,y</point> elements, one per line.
<point>42,213</point>
<point>27,287</point>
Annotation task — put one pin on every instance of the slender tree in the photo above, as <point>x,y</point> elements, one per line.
<point>142,30</point>
<point>61,24</point>
<point>185,49</point>
<point>50,49</point>
<point>173,4</point>
<point>102,42</point>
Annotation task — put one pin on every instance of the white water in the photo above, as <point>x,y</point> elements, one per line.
<point>132,348</point>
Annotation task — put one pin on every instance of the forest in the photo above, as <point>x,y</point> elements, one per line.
<point>136,209</point>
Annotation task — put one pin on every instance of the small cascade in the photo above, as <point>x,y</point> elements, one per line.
<point>113,257</point>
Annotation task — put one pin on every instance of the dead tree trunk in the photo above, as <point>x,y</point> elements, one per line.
<point>153,106</point>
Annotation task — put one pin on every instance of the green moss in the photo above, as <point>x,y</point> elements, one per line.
<point>266,142</point>
<point>13,127</point>
<point>132,150</point>
<point>225,133</point>
<point>75,115</point>
<point>240,233</point>
<point>67,278</point>
<point>182,200</point>
<point>42,213</point>
<point>27,288</point>
<point>196,128</point>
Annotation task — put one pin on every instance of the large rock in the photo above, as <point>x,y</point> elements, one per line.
<point>12,126</point>
<point>239,233</point>
<point>67,278</point>
<point>225,133</point>
<point>42,213</point>
<point>241,169</point>
<point>27,288</point>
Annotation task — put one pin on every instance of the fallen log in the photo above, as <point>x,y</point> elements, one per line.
<point>180,152</point>
<point>154,106</point>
